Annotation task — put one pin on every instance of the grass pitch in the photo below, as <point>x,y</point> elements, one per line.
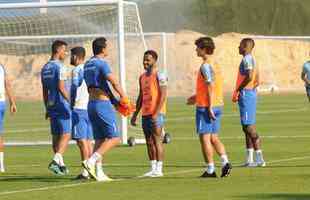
<point>283,122</point>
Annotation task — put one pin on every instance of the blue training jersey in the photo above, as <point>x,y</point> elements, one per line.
<point>95,72</point>
<point>306,70</point>
<point>52,72</point>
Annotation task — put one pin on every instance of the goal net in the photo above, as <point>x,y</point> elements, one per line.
<point>27,31</point>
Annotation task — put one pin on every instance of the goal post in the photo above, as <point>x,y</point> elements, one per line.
<point>28,29</point>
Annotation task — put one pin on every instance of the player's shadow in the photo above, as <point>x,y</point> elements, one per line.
<point>32,178</point>
<point>276,196</point>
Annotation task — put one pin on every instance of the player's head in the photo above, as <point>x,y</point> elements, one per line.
<point>149,59</point>
<point>246,46</point>
<point>204,46</point>
<point>77,56</point>
<point>100,46</point>
<point>59,49</point>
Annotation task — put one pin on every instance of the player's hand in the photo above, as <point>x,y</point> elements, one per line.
<point>46,116</point>
<point>211,114</point>
<point>155,116</point>
<point>133,120</point>
<point>191,100</point>
<point>235,96</point>
<point>13,108</point>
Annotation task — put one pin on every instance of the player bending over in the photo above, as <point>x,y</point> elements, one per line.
<point>55,78</point>
<point>246,95</point>
<point>152,100</point>
<point>209,103</point>
<point>5,89</point>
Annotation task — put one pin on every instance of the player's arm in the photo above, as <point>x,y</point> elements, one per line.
<point>116,86</point>
<point>208,75</point>
<point>8,90</point>
<point>163,81</point>
<point>77,79</point>
<point>304,76</point>
<point>61,84</point>
<point>138,106</point>
<point>248,78</point>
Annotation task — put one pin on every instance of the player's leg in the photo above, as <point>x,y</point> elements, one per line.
<point>207,152</point>
<point>80,134</point>
<point>103,119</point>
<point>308,93</point>
<point>249,148</point>
<point>62,127</point>
<point>157,126</point>
<point>2,111</point>
<point>150,144</point>
<point>251,129</point>
<point>204,128</point>
<point>247,106</point>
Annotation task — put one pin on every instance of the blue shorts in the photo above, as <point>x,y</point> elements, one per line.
<point>148,124</point>
<point>204,125</point>
<point>103,119</point>
<point>61,124</point>
<point>247,107</point>
<point>2,112</point>
<point>81,126</point>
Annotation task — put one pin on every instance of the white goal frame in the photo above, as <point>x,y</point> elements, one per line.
<point>43,5</point>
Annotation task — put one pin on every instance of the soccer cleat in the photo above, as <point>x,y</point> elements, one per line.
<point>207,175</point>
<point>103,178</point>
<point>148,174</point>
<point>261,164</point>
<point>249,164</point>
<point>90,168</point>
<point>226,170</point>
<point>55,168</point>
<point>157,174</point>
<point>82,177</point>
<point>2,170</point>
<point>64,170</point>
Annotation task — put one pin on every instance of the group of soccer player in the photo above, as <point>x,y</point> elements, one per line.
<point>81,105</point>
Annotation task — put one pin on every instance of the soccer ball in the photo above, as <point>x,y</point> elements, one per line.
<point>131,141</point>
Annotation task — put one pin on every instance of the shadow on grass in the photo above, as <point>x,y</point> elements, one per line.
<point>276,196</point>
<point>32,178</point>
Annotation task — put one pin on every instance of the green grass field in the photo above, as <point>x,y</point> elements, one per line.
<point>283,121</point>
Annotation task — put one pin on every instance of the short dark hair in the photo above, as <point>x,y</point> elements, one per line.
<point>248,41</point>
<point>152,53</point>
<point>79,52</point>
<point>56,44</point>
<point>99,44</point>
<point>206,43</point>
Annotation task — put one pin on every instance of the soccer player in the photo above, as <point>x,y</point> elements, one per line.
<point>98,76</point>
<point>245,94</point>
<point>81,126</point>
<point>152,100</point>
<point>5,89</point>
<point>305,76</point>
<point>209,103</point>
<point>56,79</point>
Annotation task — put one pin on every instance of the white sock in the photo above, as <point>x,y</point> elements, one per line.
<point>224,159</point>
<point>1,162</point>
<point>59,159</point>
<point>153,165</point>
<point>93,159</point>
<point>259,155</point>
<point>159,166</point>
<point>249,154</point>
<point>210,168</point>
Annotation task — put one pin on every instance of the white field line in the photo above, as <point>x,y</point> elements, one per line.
<point>117,180</point>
